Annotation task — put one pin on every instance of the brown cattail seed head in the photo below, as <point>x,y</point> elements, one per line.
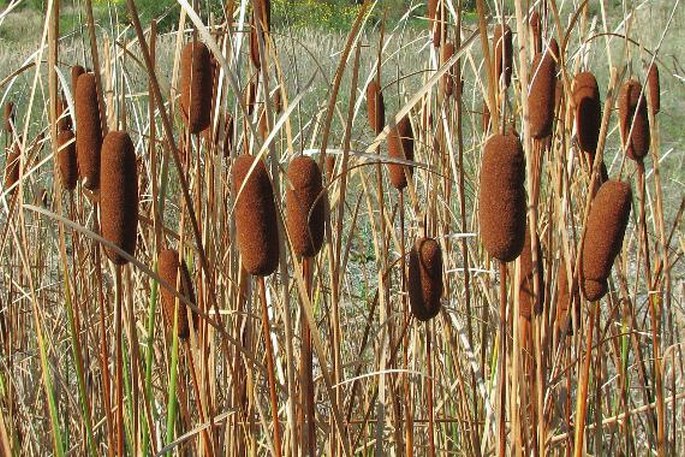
<point>12,166</point>
<point>254,45</point>
<point>262,11</point>
<point>89,133</point>
<point>536,31</point>
<point>528,302</point>
<point>9,116</point>
<point>438,24</point>
<point>76,71</point>
<point>502,204</point>
<point>196,86</point>
<point>64,116</point>
<point>425,278</point>
<point>330,167</point>
<point>447,82</point>
<point>255,213</point>
<point>633,119</point>
<point>119,195</point>
<point>542,91</point>
<point>305,206</point>
<point>169,268</point>
<point>653,88</point>
<point>66,159</point>
<point>251,97</point>
<point>504,51</point>
<point>588,111</point>
<point>375,106</point>
<point>565,299</point>
<point>606,226</point>
<point>400,146</point>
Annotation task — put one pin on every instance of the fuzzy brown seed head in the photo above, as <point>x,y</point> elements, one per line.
<point>89,133</point>
<point>375,106</point>
<point>653,88</point>
<point>196,86</point>
<point>305,206</point>
<point>66,159</point>
<point>76,71</point>
<point>536,31</point>
<point>588,112</point>
<point>528,302</point>
<point>437,25</point>
<point>169,268</point>
<point>425,279</point>
<point>64,116</point>
<point>541,95</point>
<point>251,97</point>
<point>9,116</point>
<point>262,11</point>
<point>502,200</point>
<point>254,45</point>
<point>12,162</point>
<point>255,213</point>
<point>447,82</point>
<point>633,120</point>
<point>504,51</point>
<point>262,125</point>
<point>606,226</point>
<point>400,146</point>
<point>119,195</point>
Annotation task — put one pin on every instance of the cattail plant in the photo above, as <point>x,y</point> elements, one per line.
<point>119,195</point>
<point>375,106</point>
<point>400,146</point>
<point>64,121</point>
<point>653,88</point>
<point>89,133</point>
<point>76,71</point>
<point>9,117</point>
<point>504,52</point>
<point>254,45</point>
<point>535,31</point>
<point>175,273</point>
<point>12,162</point>
<point>530,302</point>
<point>447,81</point>
<point>425,278</point>
<point>606,225</point>
<point>485,117</point>
<point>541,96</point>
<point>633,120</point>
<point>588,112</point>
<point>66,159</point>
<point>251,96</point>
<point>196,86</point>
<point>262,12</point>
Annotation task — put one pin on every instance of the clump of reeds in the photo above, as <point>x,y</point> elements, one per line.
<point>588,112</point>
<point>119,195</point>
<point>375,106</point>
<point>89,133</point>
<point>606,226</point>
<point>196,86</point>
<point>255,213</point>
<point>169,268</point>
<point>400,146</point>
<point>66,159</point>
<point>305,206</point>
<point>541,97</point>
<point>502,200</point>
<point>633,120</point>
<point>425,278</point>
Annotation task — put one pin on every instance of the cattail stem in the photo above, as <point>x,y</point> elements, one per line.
<point>309,424</point>
<point>118,310</point>
<point>581,399</point>
<point>408,407</point>
<point>429,392</point>
<point>270,366</point>
<point>502,386</point>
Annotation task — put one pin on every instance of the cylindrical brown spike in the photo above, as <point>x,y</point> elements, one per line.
<point>278,101</point>
<point>504,52</point>
<point>536,31</point>
<point>89,133</point>
<point>425,279</point>
<point>169,267</point>
<point>588,111</point>
<point>528,302</point>
<point>254,45</point>
<point>502,202</point>
<point>330,167</point>
<point>196,86</point>
<point>432,7</point>
<point>438,25</point>
<point>76,71</point>
<point>64,122</point>
<point>606,226</point>
<point>632,105</point>
<point>251,97</point>
<point>305,206</point>
<point>542,91</point>
<point>262,11</point>
<point>9,116</point>
<point>255,213</point>
<point>375,106</point>
<point>447,82</point>
<point>654,88</point>
<point>262,125</point>
<point>119,195</point>
<point>12,166</point>
<point>400,146</point>
<point>565,299</point>
<point>66,159</point>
